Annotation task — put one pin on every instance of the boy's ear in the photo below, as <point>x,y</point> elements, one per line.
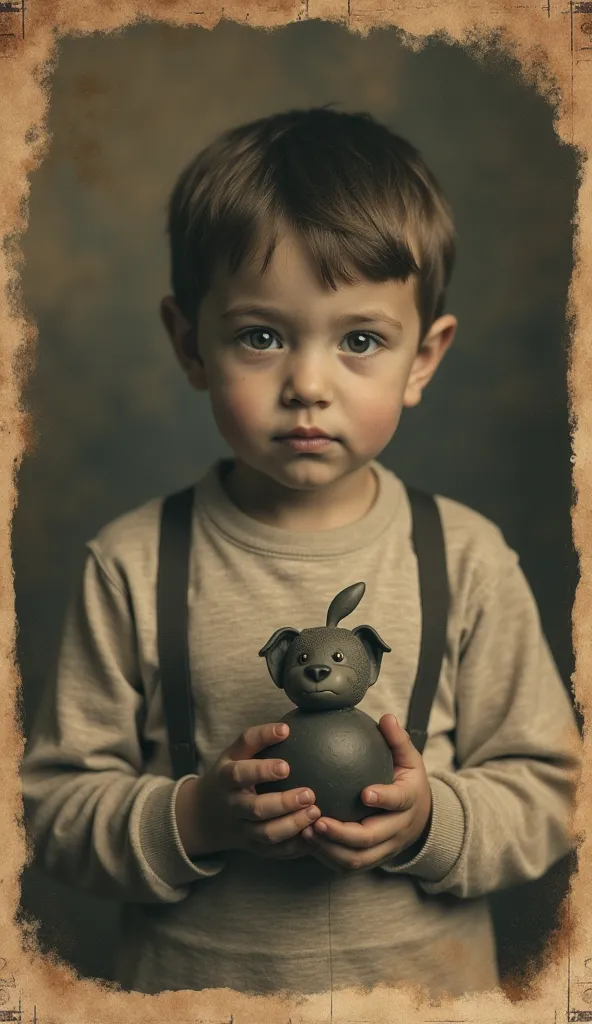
<point>430,353</point>
<point>183,338</point>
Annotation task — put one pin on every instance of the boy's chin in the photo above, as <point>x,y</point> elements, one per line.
<point>303,473</point>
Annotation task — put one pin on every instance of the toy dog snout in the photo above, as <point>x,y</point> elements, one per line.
<point>317,672</point>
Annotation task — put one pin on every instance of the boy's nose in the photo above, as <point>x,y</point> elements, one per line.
<point>317,672</point>
<point>307,383</point>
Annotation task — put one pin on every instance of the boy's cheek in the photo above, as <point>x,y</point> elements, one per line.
<point>376,423</point>
<point>238,413</point>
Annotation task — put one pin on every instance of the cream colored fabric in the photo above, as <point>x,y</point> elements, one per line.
<point>502,752</point>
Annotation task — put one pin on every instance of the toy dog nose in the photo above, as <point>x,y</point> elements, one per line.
<point>317,672</point>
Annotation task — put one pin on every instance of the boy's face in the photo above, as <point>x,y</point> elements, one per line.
<point>280,350</point>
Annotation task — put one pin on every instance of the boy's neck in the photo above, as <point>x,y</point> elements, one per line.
<point>340,504</point>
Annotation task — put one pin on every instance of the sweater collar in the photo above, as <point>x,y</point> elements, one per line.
<point>241,529</point>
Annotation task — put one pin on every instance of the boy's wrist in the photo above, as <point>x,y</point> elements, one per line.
<point>441,843</point>
<point>156,839</point>
<point>193,831</point>
<point>414,849</point>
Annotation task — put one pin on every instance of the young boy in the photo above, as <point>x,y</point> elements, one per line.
<point>310,256</point>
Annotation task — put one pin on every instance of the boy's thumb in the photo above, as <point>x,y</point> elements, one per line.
<point>404,753</point>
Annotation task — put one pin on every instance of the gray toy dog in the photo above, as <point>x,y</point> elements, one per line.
<point>332,748</point>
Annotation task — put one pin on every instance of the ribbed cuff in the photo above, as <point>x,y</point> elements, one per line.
<point>161,844</point>
<point>445,839</point>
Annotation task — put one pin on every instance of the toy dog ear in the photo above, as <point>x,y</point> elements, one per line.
<point>374,647</point>
<point>275,651</point>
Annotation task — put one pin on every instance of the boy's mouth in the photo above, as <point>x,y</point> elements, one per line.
<point>307,433</point>
<point>306,439</point>
<point>310,443</point>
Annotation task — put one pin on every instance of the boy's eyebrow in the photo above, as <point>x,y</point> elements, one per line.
<point>250,311</point>
<point>370,316</point>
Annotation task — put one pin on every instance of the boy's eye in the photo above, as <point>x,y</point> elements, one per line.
<point>338,656</point>
<point>359,341</point>
<point>302,658</point>
<point>257,339</point>
<point>261,339</point>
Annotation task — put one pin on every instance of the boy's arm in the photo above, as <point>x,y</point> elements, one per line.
<point>99,821</point>
<point>503,817</point>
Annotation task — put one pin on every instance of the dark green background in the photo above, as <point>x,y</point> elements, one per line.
<point>115,419</point>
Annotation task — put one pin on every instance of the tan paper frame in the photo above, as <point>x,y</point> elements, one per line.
<point>552,39</point>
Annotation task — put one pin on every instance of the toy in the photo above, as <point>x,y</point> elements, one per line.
<point>332,748</point>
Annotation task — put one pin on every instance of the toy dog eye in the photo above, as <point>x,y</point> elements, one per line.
<point>338,656</point>
<point>302,658</point>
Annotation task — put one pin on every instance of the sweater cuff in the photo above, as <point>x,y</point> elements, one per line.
<point>444,842</point>
<point>161,844</point>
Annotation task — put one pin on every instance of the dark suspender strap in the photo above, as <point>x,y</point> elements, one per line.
<point>172,623</point>
<point>428,541</point>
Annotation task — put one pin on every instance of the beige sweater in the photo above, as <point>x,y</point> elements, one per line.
<point>502,753</point>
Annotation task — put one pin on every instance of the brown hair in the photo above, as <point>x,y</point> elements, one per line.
<point>359,195</point>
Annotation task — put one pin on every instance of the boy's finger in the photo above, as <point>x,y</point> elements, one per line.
<point>347,859</point>
<point>243,774</point>
<point>361,835</point>
<point>332,854</point>
<point>271,805</point>
<point>314,850</point>
<point>405,754</point>
<point>254,739</point>
<point>277,830</point>
<point>289,850</point>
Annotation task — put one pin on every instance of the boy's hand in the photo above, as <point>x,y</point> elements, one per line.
<point>359,846</point>
<point>222,811</point>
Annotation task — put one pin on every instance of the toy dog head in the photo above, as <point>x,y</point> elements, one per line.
<point>326,668</point>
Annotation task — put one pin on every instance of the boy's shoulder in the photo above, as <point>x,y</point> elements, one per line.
<point>129,542</point>
<point>469,536</point>
<point>464,525</point>
<point>474,543</point>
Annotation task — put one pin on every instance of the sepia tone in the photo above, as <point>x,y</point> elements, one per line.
<point>79,472</point>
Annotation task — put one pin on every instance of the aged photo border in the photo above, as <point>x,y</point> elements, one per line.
<point>552,41</point>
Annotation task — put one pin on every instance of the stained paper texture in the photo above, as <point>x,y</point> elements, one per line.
<point>100,108</point>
